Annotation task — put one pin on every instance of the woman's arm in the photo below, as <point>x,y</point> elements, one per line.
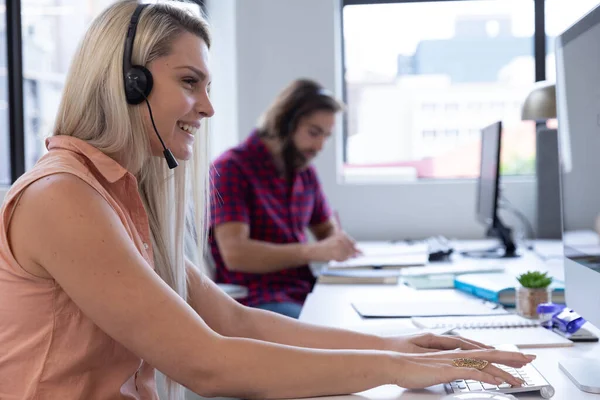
<point>71,232</point>
<point>229,318</point>
<point>430,367</point>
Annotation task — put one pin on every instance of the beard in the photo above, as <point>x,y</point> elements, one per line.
<point>294,159</point>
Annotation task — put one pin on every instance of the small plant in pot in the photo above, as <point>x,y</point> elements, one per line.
<point>534,290</point>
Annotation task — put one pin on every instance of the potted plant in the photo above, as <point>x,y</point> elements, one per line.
<point>534,290</point>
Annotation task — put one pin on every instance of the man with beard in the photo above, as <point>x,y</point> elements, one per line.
<point>266,193</point>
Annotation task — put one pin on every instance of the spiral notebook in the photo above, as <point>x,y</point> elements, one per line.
<point>497,329</point>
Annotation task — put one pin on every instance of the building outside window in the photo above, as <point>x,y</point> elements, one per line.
<point>423,78</point>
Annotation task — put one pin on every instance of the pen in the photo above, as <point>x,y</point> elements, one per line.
<point>337,219</point>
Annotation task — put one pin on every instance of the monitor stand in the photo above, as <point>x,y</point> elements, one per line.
<point>508,248</point>
<point>584,373</point>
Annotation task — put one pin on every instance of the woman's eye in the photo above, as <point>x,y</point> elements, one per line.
<point>190,82</point>
<point>314,133</point>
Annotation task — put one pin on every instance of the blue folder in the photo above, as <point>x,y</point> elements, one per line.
<point>500,288</point>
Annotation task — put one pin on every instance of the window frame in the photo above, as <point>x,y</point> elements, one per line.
<point>14,54</point>
<point>539,54</point>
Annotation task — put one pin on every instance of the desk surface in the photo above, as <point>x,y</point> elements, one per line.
<point>330,305</point>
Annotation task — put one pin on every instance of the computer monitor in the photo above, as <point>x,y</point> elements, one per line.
<point>488,195</point>
<point>578,109</point>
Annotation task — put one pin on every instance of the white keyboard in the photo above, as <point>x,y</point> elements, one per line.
<point>534,381</point>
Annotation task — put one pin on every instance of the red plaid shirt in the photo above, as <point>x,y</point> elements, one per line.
<point>247,188</point>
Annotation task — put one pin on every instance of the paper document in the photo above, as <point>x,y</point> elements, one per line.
<point>392,248</point>
<point>386,254</point>
<point>425,308</point>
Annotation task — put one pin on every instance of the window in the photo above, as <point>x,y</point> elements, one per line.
<point>418,93</point>
<point>4,138</point>
<point>560,15</point>
<point>51,30</point>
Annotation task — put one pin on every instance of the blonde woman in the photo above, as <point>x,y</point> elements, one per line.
<point>95,292</point>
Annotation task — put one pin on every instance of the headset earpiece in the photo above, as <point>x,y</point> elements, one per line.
<point>136,78</point>
<point>138,84</point>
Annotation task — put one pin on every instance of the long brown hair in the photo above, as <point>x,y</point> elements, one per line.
<point>299,99</point>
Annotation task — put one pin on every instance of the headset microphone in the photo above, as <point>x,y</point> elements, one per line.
<point>138,81</point>
<point>171,161</point>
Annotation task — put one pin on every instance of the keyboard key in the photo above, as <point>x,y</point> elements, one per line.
<point>487,386</point>
<point>474,387</point>
<point>504,386</point>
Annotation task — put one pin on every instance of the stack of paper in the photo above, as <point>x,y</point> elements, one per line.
<point>359,275</point>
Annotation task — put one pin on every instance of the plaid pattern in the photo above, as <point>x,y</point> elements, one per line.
<point>246,188</point>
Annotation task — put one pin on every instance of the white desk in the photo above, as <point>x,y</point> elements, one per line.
<point>330,305</point>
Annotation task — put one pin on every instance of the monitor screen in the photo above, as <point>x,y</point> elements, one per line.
<point>487,188</point>
<point>578,107</point>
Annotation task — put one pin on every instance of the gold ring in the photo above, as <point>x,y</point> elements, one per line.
<point>470,363</point>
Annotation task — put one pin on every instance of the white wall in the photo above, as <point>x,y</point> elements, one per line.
<point>280,40</point>
<point>3,191</point>
<point>223,63</point>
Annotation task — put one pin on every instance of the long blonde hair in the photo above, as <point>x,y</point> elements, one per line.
<point>93,108</point>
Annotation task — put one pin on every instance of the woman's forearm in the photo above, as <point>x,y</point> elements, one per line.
<point>271,327</point>
<point>249,368</point>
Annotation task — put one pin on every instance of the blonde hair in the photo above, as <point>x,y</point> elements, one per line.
<point>93,108</point>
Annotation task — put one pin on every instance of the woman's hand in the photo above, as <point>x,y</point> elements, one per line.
<point>428,342</point>
<point>418,371</point>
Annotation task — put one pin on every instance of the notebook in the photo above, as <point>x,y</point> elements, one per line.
<point>502,321</point>
<point>359,276</point>
<point>495,330</point>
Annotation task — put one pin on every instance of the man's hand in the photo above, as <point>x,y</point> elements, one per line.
<point>337,247</point>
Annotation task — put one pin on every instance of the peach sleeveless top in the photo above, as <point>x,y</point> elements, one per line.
<point>49,349</point>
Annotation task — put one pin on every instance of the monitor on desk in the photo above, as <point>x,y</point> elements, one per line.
<point>488,195</point>
<point>578,107</point>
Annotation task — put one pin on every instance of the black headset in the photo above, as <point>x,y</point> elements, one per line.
<point>138,80</point>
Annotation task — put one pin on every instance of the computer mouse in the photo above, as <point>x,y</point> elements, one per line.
<point>480,396</point>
